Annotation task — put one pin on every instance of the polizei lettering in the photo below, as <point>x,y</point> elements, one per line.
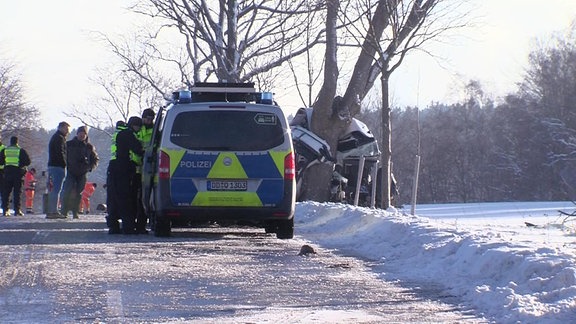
<point>196,164</point>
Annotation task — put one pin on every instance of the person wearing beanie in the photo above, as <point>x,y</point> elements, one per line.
<point>15,160</point>
<point>82,129</point>
<point>134,121</point>
<point>81,159</point>
<point>56,168</point>
<point>122,175</point>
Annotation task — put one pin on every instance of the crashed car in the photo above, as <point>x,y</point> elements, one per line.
<point>356,144</point>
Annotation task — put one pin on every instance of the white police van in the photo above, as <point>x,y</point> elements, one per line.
<point>220,153</point>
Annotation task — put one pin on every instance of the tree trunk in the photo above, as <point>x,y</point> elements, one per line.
<point>231,50</point>
<point>385,144</point>
<point>325,121</point>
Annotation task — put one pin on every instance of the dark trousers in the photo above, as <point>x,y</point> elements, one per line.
<point>123,196</point>
<point>72,192</point>
<point>112,218</point>
<point>12,183</point>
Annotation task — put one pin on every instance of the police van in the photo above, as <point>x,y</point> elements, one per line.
<point>220,153</point>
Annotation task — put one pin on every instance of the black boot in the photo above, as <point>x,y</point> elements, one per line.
<point>113,226</point>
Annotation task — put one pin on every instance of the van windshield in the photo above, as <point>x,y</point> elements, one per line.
<point>224,130</point>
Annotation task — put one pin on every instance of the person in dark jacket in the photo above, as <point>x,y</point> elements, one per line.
<point>122,174</point>
<point>56,168</point>
<point>113,217</point>
<point>15,160</point>
<point>81,158</point>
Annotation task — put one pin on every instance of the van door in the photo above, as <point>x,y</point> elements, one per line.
<point>150,163</point>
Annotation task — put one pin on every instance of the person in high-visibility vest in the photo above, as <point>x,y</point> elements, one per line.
<point>113,216</point>
<point>88,191</point>
<point>122,173</point>
<point>15,160</point>
<point>29,189</point>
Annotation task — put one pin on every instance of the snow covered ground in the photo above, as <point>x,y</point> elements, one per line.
<point>509,262</point>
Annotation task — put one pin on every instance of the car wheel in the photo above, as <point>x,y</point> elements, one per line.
<point>285,229</point>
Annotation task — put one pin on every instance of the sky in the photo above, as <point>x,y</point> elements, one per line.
<point>483,254</point>
<point>56,53</point>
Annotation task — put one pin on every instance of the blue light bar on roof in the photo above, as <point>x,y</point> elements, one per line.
<point>184,96</point>
<point>267,98</point>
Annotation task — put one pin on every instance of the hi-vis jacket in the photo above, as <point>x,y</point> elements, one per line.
<point>14,158</point>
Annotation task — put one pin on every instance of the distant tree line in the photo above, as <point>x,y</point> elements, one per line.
<point>521,149</point>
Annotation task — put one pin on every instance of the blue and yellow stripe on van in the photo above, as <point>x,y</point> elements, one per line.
<point>191,171</point>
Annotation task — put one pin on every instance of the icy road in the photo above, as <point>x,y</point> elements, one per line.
<point>72,271</point>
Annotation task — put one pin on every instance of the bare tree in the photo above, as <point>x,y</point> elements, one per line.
<point>191,41</point>
<point>233,41</point>
<point>17,116</point>
<point>549,80</point>
<point>123,95</point>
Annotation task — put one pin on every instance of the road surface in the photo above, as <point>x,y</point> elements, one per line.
<point>72,271</point>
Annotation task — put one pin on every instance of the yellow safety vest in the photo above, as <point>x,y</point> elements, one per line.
<point>113,147</point>
<point>145,135</point>
<point>12,156</point>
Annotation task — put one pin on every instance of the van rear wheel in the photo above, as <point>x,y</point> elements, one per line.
<point>285,229</point>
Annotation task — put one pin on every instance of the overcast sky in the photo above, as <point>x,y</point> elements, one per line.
<point>51,43</point>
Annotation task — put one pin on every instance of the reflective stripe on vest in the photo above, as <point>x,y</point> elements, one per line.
<point>12,155</point>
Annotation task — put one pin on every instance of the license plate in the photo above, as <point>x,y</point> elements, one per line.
<point>227,185</point>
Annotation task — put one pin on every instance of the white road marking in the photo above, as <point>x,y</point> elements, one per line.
<point>114,307</point>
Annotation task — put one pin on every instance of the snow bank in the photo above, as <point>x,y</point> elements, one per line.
<point>502,269</point>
